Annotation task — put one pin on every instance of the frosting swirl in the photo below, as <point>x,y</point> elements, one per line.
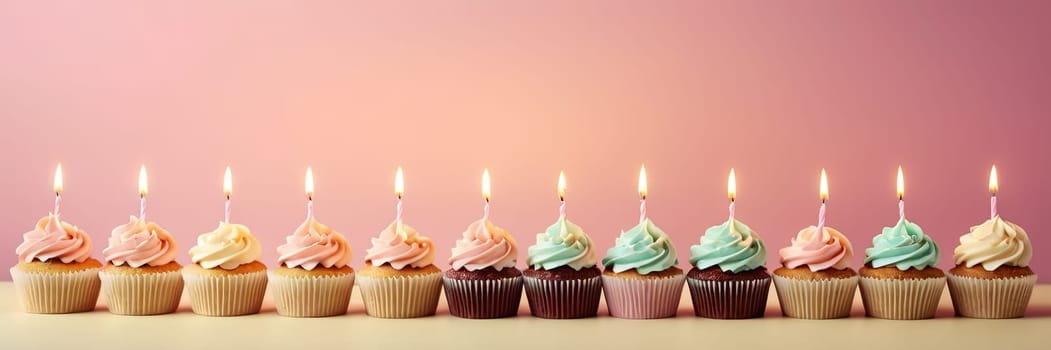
<point>314,244</point>
<point>484,245</point>
<point>903,246</point>
<point>138,243</point>
<point>829,249</point>
<point>563,244</point>
<point>994,243</point>
<point>229,246</point>
<point>54,239</point>
<point>733,246</point>
<point>645,248</point>
<point>400,245</point>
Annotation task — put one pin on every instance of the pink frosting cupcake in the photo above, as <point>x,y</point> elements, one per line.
<point>141,276</point>
<point>483,281</point>
<point>816,281</point>
<point>312,278</point>
<point>55,272</point>
<point>399,279</point>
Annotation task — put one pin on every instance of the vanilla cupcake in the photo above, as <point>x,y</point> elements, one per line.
<point>399,279</point>
<point>900,280</point>
<point>312,278</point>
<point>992,278</point>
<point>55,272</point>
<point>141,276</point>
<point>226,277</point>
<point>816,281</point>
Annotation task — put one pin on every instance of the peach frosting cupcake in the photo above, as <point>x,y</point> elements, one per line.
<point>55,272</point>
<point>312,278</point>
<point>141,276</point>
<point>399,279</point>
<point>816,281</point>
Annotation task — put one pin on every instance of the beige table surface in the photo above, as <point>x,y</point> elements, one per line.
<point>267,330</point>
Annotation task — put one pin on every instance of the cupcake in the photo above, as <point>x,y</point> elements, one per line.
<point>729,279</point>
<point>815,281</point>
<point>55,272</point>
<point>899,280</point>
<point>312,278</point>
<point>483,281</point>
<point>226,277</point>
<point>141,276</point>
<point>992,278</point>
<point>563,280</point>
<point>640,279</point>
<point>399,279</point>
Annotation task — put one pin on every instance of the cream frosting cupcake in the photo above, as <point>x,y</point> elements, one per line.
<point>312,278</point>
<point>55,272</point>
<point>226,277</point>
<point>992,278</point>
<point>141,276</point>
<point>399,279</point>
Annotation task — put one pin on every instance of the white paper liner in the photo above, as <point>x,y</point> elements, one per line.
<point>563,299</point>
<point>643,298</point>
<point>991,298</point>
<point>901,299</point>
<point>733,299</point>
<point>226,295</point>
<point>816,299</point>
<point>483,299</point>
<point>311,296</point>
<point>57,292</point>
<point>142,294</point>
<point>401,296</point>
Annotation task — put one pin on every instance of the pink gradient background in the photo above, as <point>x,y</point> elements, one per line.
<point>776,89</point>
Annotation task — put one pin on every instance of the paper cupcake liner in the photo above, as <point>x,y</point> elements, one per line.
<point>729,299</point>
<point>643,298</point>
<point>401,296</point>
<point>991,298</point>
<point>227,295</point>
<point>311,296</point>
<point>142,294</point>
<point>563,299</point>
<point>816,299</point>
<point>481,299</point>
<point>57,293</point>
<point>901,299</point>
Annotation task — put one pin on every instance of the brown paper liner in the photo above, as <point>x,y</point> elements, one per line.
<point>991,298</point>
<point>311,296</point>
<point>901,299</point>
<point>734,299</point>
<point>226,295</point>
<point>142,294</point>
<point>644,298</point>
<point>563,299</point>
<point>401,296</point>
<point>57,292</point>
<point>482,299</point>
<point>816,299</point>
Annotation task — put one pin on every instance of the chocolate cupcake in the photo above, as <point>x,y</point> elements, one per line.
<point>563,280</point>
<point>483,281</point>
<point>729,280</point>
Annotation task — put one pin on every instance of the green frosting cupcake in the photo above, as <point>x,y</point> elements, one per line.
<point>563,244</point>
<point>733,246</point>
<point>903,246</point>
<point>644,248</point>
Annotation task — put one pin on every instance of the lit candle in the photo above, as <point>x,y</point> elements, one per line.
<point>901,194</point>
<point>994,186</point>
<point>823,193</point>
<point>142,192</point>
<point>399,191</point>
<point>58,188</point>
<point>310,192</point>
<point>228,188</point>
<point>562,193</point>
<point>485,193</point>
<point>642,194</point>
<point>731,191</point>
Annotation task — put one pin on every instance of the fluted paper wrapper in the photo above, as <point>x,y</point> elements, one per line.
<point>563,299</point>
<point>643,298</point>
<point>991,298</point>
<point>57,293</point>
<point>401,296</point>
<point>816,299</point>
<point>729,299</point>
<point>142,294</point>
<point>481,299</point>
<point>901,299</point>
<point>311,296</point>
<point>228,295</point>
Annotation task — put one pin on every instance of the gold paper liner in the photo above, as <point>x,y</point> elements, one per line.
<point>816,299</point>
<point>901,299</point>
<point>643,298</point>
<point>57,292</point>
<point>226,295</point>
<point>401,296</point>
<point>142,294</point>
<point>990,298</point>
<point>311,296</point>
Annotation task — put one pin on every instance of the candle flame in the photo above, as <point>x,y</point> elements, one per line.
<point>58,179</point>
<point>731,185</point>
<point>642,182</point>
<point>994,182</point>
<point>486,192</point>
<point>561,185</point>
<point>823,188</point>
<point>143,188</point>
<point>399,183</point>
<point>228,187</point>
<point>901,184</point>
<point>310,183</point>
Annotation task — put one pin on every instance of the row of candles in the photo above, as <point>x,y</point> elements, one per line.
<point>399,191</point>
